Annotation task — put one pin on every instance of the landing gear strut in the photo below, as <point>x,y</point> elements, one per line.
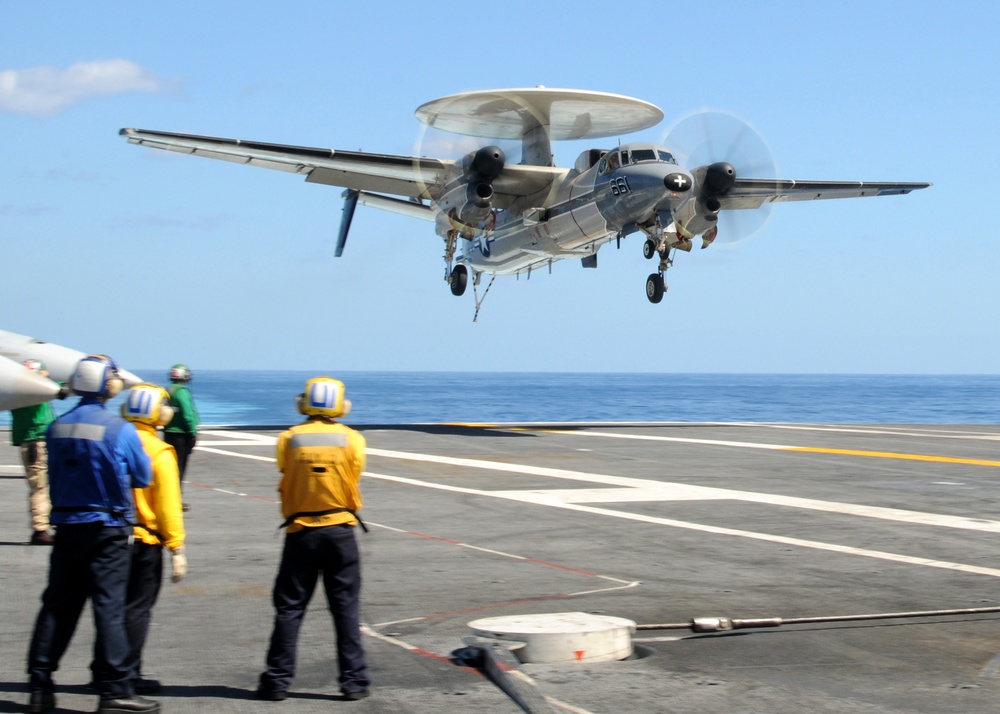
<point>655,285</point>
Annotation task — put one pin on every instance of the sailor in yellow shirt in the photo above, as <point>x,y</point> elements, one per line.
<point>321,463</point>
<point>159,524</point>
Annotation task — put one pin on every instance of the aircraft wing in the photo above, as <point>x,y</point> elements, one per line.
<point>414,177</point>
<point>753,193</point>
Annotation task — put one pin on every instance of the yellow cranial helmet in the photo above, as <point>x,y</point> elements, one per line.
<point>148,404</point>
<point>323,396</point>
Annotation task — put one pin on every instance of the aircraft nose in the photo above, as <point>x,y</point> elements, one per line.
<point>20,387</point>
<point>677,181</point>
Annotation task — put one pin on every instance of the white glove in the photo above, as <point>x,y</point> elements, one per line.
<point>178,564</point>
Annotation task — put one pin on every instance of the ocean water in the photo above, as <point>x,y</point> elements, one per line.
<point>400,397</point>
<point>251,398</point>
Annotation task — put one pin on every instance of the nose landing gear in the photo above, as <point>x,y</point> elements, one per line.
<point>655,285</point>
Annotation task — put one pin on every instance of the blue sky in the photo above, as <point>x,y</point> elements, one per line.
<point>156,258</point>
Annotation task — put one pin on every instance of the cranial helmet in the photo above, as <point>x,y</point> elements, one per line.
<point>148,404</point>
<point>324,396</point>
<point>36,365</point>
<point>179,373</point>
<point>96,376</point>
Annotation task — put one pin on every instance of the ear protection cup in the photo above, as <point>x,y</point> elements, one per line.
<point>114,387</point>
<point>166,415</point>
<point>300,403</point>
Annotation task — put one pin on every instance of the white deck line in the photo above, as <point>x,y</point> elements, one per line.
<point>645,490</point>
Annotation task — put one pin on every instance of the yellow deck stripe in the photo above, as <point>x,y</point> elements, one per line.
<point>894,455</point>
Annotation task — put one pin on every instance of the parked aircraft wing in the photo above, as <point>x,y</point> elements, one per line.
<point>410,176</point>
<point>753,193</point>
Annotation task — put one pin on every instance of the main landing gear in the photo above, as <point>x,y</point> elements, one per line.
<point>459,279</point>
<point>655,285</point>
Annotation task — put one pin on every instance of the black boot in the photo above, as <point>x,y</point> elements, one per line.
<point>125,705</point>
<point>41,702</point>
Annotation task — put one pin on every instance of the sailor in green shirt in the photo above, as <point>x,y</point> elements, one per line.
<point>182,431</point>
<point>28,427</point>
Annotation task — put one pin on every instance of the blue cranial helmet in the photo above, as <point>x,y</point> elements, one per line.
<point>96,376</point>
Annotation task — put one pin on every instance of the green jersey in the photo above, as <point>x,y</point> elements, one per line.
<point>185,419</point>
<point>30,423</point>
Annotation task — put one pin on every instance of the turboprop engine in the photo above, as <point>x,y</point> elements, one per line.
<point>700,213</point>
<point>718,178</point>
<point>479,169</point>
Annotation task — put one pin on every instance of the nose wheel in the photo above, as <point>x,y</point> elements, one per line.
<point>655,287</point>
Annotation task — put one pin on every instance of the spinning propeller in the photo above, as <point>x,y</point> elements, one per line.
<point>719,147</point>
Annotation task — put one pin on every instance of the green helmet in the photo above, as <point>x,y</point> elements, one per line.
<point>179,373</point>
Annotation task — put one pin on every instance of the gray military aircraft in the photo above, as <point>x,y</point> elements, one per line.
<point>20,387</point>
<point>499,218</point>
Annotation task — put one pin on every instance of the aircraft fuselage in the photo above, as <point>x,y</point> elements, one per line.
<point>588,210</point>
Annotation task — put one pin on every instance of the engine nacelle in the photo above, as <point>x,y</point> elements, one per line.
<point>467,205</point>
<point>484,165</point>
<point>478,203</point>
<point>480,168</point>
<point>719,178</point>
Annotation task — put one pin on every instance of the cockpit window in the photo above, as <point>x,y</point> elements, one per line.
<point>643,155</point>
<point>625,159</point>
<point>666,156</point>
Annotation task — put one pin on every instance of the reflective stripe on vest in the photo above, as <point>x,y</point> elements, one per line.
<point>301,441</point>
<point>87,432</point>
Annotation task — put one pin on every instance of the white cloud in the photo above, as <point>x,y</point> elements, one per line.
<point>42,91</point>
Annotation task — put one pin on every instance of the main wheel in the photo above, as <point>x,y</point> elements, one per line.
<point>654,287</point>
<point>648,249</point>
<point>459,279</point>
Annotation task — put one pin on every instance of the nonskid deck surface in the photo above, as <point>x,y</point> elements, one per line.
<point>656,523</point>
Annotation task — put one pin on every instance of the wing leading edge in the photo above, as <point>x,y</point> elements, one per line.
<point>413,177</point>
<point>753,193</point>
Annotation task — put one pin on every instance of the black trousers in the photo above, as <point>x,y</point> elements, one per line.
<point>88,560</point>
<point>144,582</point>
<point>332,550</point>
<point>183,444</point>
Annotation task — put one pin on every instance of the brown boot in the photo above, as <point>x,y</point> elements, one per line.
<point>41,538</point>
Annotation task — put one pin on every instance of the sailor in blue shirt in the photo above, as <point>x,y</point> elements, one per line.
<point>95,460</point>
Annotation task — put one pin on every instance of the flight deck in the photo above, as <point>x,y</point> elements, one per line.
<point>867,555</point>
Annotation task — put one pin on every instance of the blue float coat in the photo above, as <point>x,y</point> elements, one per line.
<point>95,460</point>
